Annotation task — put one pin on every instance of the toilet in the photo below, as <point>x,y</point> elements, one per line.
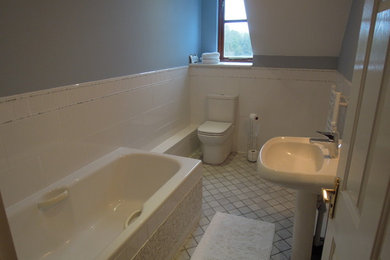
<point>216,134</point>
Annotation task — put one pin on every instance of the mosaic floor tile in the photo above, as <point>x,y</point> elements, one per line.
<point>234,187</point>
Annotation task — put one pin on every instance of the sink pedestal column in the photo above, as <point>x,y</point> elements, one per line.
<point>304,220</point>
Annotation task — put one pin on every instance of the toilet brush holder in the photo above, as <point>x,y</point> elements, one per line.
<point>252,155</point>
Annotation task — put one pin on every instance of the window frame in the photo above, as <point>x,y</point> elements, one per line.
<point>221,33</point>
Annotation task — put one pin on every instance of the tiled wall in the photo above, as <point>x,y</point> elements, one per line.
<point>48,134</point>
<point>289,101</point>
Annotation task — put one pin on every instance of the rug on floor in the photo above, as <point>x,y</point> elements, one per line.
<point>234,237</point>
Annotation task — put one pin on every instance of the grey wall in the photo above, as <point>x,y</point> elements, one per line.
<point>50,43</point>
<point>302,34</point>
<point>350,41</point>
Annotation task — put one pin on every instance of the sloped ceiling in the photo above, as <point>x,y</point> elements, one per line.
<point>297,27</point>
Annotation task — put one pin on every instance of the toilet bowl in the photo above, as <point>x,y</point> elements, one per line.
<point>217,141</point>
<point>216,134</point>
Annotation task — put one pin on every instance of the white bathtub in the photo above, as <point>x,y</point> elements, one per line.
<point>83,215</point>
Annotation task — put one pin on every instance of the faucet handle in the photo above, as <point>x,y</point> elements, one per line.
<point>331,135</point>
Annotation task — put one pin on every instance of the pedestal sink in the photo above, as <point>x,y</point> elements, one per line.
<point>296,163</point>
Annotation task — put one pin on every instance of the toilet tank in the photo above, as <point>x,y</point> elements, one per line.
<point>221,108</point>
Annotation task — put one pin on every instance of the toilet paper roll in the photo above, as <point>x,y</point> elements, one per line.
<point>252,155</point>
<point>253,116</point>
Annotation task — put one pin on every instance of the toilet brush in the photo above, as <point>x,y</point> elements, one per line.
<point>252,137</point>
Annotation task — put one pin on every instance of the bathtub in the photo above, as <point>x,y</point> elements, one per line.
<point>128,204</point>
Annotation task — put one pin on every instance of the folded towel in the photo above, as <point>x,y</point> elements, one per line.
<point>210,55</point>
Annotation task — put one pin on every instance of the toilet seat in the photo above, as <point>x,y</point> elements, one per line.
<point>212,128</point>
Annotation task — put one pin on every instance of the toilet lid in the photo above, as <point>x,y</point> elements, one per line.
<point>214,128</point>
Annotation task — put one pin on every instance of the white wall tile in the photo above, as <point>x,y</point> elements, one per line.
<point>101,114</point>
<point>21,180</point>
<point>6,111</point>
<point>123,85</point>
<point>81,94</point>
<point>102,142</point>
<point>315,75</point>
<point>141,99</point>
<point>289,102</point>
<point>55,132</point>
<point>73,122</point>
<point>30,136</point>
<point>138,80</point>
<point>161,93</point>
<point>137,131</point>
<point>47,102</point>
<point>85,92</point>
<point>62,158</point>
<point>21,108</point>
<point>3,155</point>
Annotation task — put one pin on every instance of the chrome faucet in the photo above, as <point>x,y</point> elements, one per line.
<point>331,142</point>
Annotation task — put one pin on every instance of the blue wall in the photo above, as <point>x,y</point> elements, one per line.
<point>209,26</point>
<point>50,43</point>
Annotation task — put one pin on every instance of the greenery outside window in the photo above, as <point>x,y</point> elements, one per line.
<point>233,34</point>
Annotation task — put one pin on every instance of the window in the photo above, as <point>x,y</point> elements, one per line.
<point>233,34</point>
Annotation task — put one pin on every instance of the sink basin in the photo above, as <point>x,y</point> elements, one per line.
<point>296,163</point>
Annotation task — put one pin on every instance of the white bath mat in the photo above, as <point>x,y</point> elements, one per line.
<point>233,237</point>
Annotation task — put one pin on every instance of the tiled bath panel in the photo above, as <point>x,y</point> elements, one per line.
<point>166,239</point>
<point>235,188</point>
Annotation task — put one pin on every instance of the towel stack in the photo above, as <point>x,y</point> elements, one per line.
<point>210,58</point>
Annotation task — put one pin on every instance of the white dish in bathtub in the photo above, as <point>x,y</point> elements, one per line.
<point>83,215</point>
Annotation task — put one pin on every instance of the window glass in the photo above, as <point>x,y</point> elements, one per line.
<point>237,42</point>
<point>233,35</point>
<point>235,10</point>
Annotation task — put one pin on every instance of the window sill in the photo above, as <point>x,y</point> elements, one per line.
<point>224,65</point>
